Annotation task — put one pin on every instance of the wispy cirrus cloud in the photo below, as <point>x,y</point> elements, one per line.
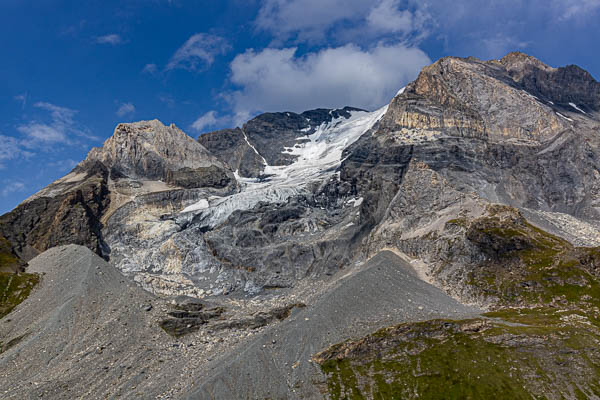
<point>125,109</point>
<point>12,187</point>
<point>112,39</point>
<point>198,52</point>
<point>151,69</point>
<point>61,128</point>
<point>572,9</point>
<point>11,149</point>
<point>207,120</point>
<point>22,98</point>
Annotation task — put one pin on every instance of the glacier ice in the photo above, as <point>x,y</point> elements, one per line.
<point>317,159</point>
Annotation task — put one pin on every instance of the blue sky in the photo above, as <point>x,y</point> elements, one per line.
<point>70,71</point>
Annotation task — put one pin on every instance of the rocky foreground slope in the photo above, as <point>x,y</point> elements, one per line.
<point>478,184</point>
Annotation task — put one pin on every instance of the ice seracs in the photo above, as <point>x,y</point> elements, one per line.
<point>317,159</point>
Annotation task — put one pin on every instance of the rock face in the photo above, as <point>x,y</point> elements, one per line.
<point>470,98</point>
<point>483,177</point>
<point>148,150</point>
<point>562,86</point>
<point>69,214</point>
<point>140,158</point>
<point>231,146</point>
<point>268,139</point>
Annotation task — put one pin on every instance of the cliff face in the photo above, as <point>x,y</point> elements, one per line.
<point>472,98</point>
<point>70,215</point>
<point>150,150</point>
<point>562,86</point>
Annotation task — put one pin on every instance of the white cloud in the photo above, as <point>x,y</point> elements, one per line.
<point>60,115</point>
<point>11,149</point>
<point>62,128</point>
<point>462,27</point>
<point>125,108</point>
<point>344,21</point>
<point>150,69</point>
<point>205,121</point>
<point>388,17</point>
<point>112,39</point>
<point>277,79</point>
<point>42,133</point>
<point>575,9</point>
<point>308,19</point>
<point>63,165</point>
<point>12,187</point>
<point>198,52</point>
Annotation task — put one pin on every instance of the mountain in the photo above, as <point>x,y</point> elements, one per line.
<point>445,243</point>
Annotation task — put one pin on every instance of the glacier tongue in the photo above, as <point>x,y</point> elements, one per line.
<point>318,158</point>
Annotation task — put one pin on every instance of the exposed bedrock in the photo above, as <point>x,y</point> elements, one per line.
<point>72,215</point>
<point>267,138</point>
<point>140,158</point>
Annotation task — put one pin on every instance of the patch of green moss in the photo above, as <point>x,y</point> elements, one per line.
<point>14,288</point>
<point>462,222</point>
<point>514,354</point>
<point>527,265</point>
<point>7,260</point>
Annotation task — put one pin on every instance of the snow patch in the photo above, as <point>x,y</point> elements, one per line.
<point>357,202</point>
<point>577,108</point>
<point>200,205</point>
<point>252,147</point>
<point>400,91</point>
<point>562,116</point>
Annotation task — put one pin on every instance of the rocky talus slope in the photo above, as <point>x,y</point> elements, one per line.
<point>445,244</point>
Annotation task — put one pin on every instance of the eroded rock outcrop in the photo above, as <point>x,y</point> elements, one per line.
<point>139,159</point>
<point>68,211</point>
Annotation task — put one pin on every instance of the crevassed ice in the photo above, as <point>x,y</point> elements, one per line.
<point>318,158</point>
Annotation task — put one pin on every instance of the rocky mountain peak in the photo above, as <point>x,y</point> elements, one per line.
<point>517,62</point>
<point>149,149</point>
<point>564,86</point>
<point>469,97</point>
